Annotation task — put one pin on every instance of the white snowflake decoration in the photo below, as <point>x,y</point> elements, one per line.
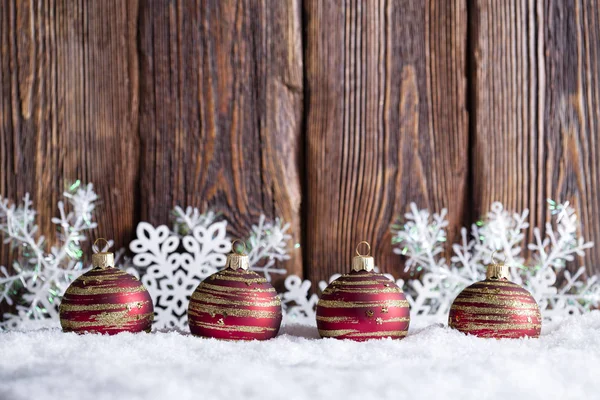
<point>43,277</point>
<point>172,276</point>
<point>422,239</point>
<point>298,303</point>
<point>173,263</point>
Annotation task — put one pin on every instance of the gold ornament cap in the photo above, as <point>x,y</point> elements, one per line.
<point>103,259</point>
<point>497,271</point>
<point>237,260</point>
<point>363,262</point>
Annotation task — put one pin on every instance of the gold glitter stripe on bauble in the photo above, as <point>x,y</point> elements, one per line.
<point>117,320</point>
<point>498,297</point>
<point>355,277</point>
<point>235,328</point>
<point>493,300</point>
<point>361,304</point>
<point>350,320</point>
<point>356,320</point>
<point>396,319</point>
<point>228,289</point>
<point>356,283</point>
<point>474,326</point>
<point>498,285</point>
<point>120,318</point>
<point>99,280</point>
<point>355,333</point>
<point>381,333</point>
<point>204,297</point>
<point>496,291</point>
<point>101,307</point>
<point>236,273</point>
<point>105,272</point>
<point>497,318</point>
<point>367,291</point>
<point>502,311</point>
<point>85,280</point>
<point>231,295</point>
<point>239,279</point>
<point>513,287</point>
<point>196,309</point>
<point>203,289</point>
<point>92,290</point>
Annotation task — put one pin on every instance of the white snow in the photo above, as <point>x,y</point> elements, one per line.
<point>431,363</point>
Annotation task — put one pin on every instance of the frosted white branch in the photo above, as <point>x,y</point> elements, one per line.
<point>422,236</point>
<point>186,220</point>
<point>43,276</point>
<point>268,243</point>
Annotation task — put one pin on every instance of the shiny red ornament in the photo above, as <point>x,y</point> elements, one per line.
<point>106,300</point>
<point>235,304</point>
<point>363,305</point>
<point>496,308</point>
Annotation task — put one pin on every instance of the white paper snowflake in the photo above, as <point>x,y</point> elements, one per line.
<point>423,235</point>
<point>171,275</point>
<point>172,263</point>
<point>41,277</point>
<point>298,303</point>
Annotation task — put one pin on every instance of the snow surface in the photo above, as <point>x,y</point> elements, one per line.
<point>430,363</point>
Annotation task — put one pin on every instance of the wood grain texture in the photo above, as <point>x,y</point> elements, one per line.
<point>221,111</point>
<point>333,115</point>
<point>386,123</point>
<point>536,69</point>
<point>69,107</point>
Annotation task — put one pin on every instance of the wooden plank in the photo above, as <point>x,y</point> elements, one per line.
<point>69,107</point>
<point>386,123</point>
<point>221,111</point>
<point>536,109</point>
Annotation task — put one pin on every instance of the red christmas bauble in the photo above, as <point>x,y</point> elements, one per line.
<point>106,300</point>
<point>363,305</point>
<point>496,308</point>
<point>235,304</point>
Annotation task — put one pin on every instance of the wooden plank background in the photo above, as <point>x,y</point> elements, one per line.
<point>333,115</point>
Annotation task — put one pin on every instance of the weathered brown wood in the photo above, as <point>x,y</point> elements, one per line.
<point>536,109</point>
<point>202,103</point>
<point>69,107</point>
<point>386,122</point>
<point>221,111</point>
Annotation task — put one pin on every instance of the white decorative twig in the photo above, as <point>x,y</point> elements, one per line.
<point>422,236</point>
<point>267,244</point>
<point>298,304</point>
<point>43,277</point>
<point>550,256</point>
<point>186,220</point>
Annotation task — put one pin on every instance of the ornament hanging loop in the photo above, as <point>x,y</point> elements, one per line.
<point>243,252</point>
<point>494,252</point>
<point>103,259</point>
<point>497,271</point>
<point>237,260</point>
<point>368,249</point>
<point>99,248</point>
<point>363,262</point>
